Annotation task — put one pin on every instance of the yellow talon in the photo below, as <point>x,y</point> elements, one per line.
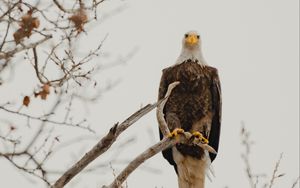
<point>197,134</point>
<point>200,136</point>
<point>175,132</point>
<point>204,140</point>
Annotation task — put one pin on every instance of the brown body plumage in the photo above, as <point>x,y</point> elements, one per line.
<point>191,105</point>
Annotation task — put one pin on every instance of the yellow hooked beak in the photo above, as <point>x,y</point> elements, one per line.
<point>192,39</point>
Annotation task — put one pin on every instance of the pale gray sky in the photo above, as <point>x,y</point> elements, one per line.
<point>255,46</point>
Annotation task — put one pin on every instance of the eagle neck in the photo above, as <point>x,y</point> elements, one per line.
<point>192,54</point>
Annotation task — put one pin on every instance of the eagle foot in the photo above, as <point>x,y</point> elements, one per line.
<point>200,136</point>
<point>175,132</point>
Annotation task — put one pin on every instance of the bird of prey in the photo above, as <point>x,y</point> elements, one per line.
<point>194,106</point>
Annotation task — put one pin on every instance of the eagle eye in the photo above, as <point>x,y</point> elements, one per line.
<point>186,35</point>
<point>198,36</point>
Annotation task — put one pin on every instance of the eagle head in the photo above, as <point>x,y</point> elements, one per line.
<point>191,49</point>
<point>191,40</point>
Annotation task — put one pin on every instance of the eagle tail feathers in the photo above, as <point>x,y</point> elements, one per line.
<point>192,171</point>
<point>210,172</point>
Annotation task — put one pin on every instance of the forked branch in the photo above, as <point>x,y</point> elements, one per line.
<point>165,143</point>
<point>102,146</point>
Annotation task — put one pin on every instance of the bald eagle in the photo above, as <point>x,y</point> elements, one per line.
<point>193,106</point>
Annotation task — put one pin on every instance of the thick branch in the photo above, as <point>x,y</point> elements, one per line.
<point>153,150</point>
<point>150,152</point>
<point>102,146</point>
<point>165,143</point>
<point>159,112</point>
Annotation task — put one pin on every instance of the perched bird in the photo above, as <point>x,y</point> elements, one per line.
<point>194,106</point>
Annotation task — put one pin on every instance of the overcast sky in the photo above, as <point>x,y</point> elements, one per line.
<point>254,45</point>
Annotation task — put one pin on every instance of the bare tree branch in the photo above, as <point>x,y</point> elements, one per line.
<point>46,119</point>
<point>296,182</point>
<point>10,9</point>
<point>53,28</point>
<point>6,55</point>
<point>150,152</point>
<point>274,175</point>
<point>36,66</point>
<point>254,179</point>
<point>61,7</point>
<point>160,118</point>
<point>102,146</point>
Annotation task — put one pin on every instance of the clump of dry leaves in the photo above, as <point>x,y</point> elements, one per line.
<point>44,92</point>
<point>27,24</point>
<point>79,19</point>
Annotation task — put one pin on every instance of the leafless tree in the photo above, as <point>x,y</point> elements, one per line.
<point>46,34</point>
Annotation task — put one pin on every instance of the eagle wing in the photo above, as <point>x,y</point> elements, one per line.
<point>214,135</point>
<point>163,87</point>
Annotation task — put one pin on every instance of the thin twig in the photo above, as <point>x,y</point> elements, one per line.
<point>245,156</point>
<point>36,66</point>
<point>59,6</point>
<point>45,119</point>
<point>5,36</point>
<point>9,9</point>
<point>274,175</point>
<point>296,182</point>
<point>5,55</point>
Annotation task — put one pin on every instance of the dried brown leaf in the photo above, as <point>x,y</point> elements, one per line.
<point>26,101</point>
<point>44,92</point>
<point>46,88</point>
